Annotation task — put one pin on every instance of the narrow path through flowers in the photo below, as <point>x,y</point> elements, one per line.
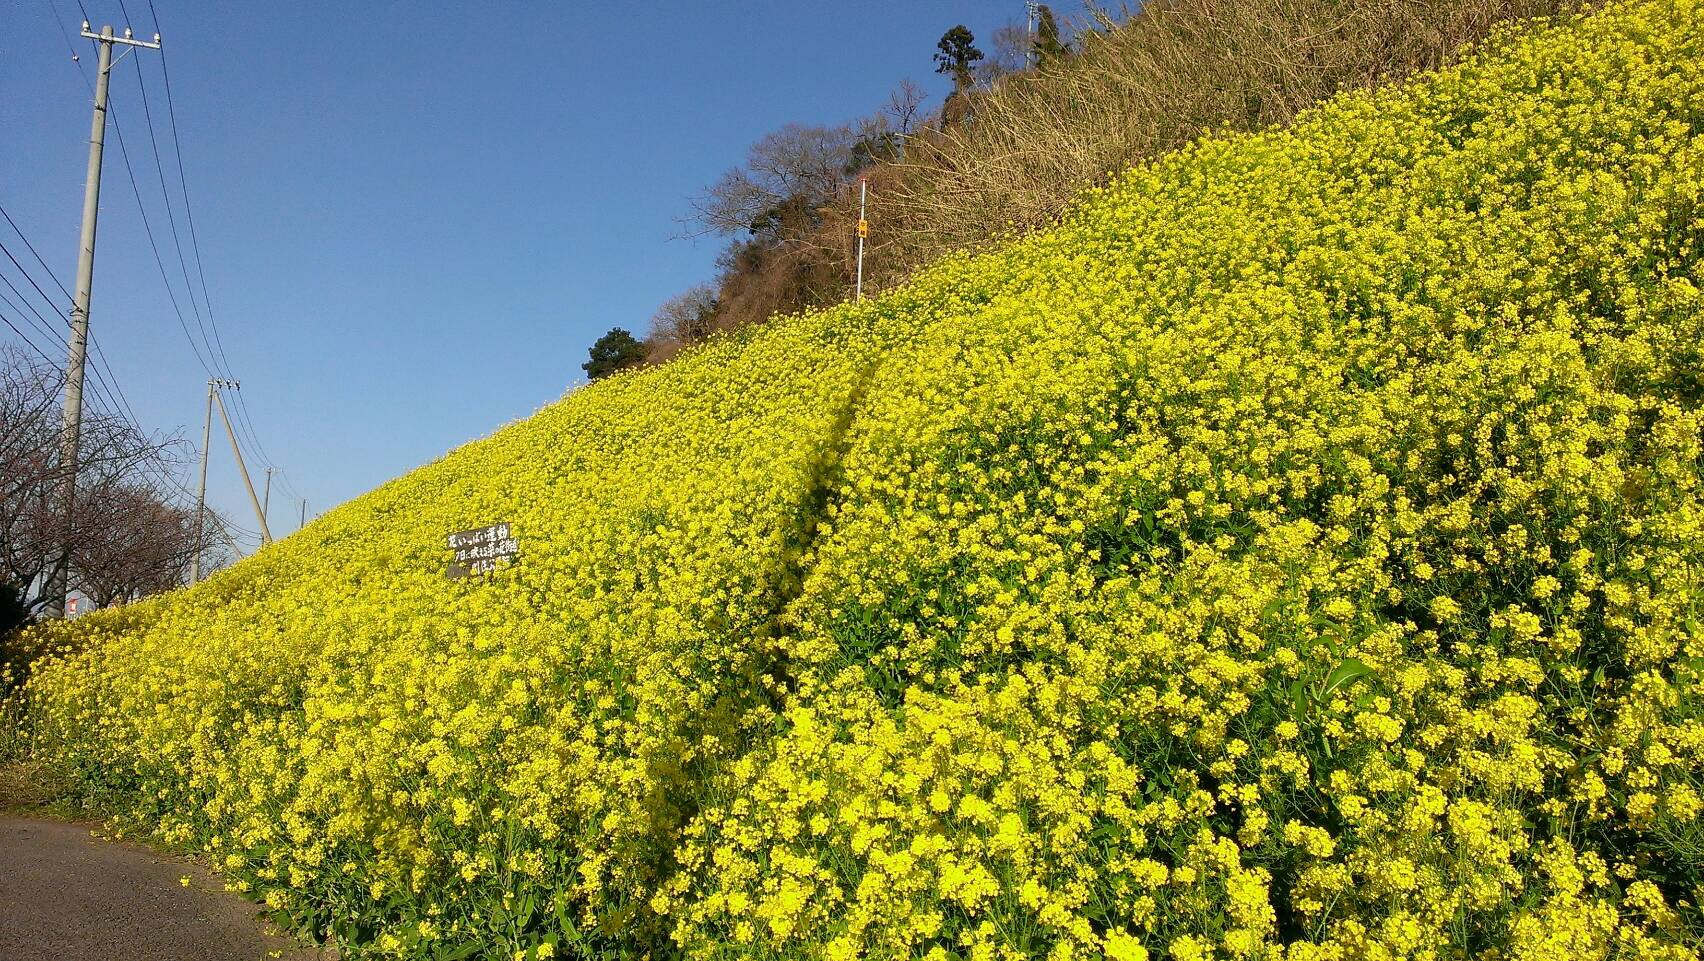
<point>67,894</point>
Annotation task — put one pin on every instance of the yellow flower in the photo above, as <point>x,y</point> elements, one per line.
<point>1323,501</point>
<point>1123,947</point>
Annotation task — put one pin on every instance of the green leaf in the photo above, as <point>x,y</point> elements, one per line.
<point>465,950</point>
<point>1343,675</point>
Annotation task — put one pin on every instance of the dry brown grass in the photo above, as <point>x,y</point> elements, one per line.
<point>1169,74</point>
<point>30,783</point>
<point>1159,79</point>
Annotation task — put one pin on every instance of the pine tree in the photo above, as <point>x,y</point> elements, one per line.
<point>957,55</point>
<point>616,350</point>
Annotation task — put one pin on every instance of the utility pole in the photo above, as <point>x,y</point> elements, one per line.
<point>201,492</point>
<point>304,521</point>
<point>863,231</point>
<point>266,499</point>
<point>265,532</point>
<point>1029,53</point>
<point>72,433</point>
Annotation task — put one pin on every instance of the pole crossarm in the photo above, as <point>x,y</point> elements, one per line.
<point>129,39</point>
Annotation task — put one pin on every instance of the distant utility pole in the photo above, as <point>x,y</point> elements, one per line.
<point>214,386</point>
<point>304,521</point>
<point>863,231</point>
<point>201,492</point>
<point>266,499</point>
<point>1029,51</point>
<point>72,433</point>
<point>265,532</point>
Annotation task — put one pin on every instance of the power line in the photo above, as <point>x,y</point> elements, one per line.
<point>26,274</point>
<point>215,356</point>
<point>254,436</point>
<point>102,378</point>
<point>26,339</point>
<point>215,345</point>
<point>171,215</point>
<point>104,383</point>
<point>149,230</point>
<point>102,389</point>
<point>105,386</point>
<point>26,240</point>
<point>108,396</point>
<point>115,392</point>
<point>53,11</point>
<point>23,307</point>
<point>183,187</point>
<point>41,324</point>
<point>285,476</point>
<point>112,380</point>
<point>141,208</point>
<point>245,420</point>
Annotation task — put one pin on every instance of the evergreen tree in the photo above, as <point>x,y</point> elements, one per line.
<point>957,56</point>
<point>616,350</point>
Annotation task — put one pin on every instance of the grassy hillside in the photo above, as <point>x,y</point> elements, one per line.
<point>1170,72</point>
<point>1295,554</point>
<point>1019,150</point>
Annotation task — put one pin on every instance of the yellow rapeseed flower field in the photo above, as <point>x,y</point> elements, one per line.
<point>1294,554</point>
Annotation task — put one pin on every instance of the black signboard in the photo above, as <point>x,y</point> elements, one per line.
<point>478,551</point>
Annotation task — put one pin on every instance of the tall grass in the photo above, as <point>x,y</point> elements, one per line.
<point>1140,85</point>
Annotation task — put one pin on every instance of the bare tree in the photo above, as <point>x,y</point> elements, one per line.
<point>786,176</point>
<point>116,465</point>
<point>146,545</point>
<point>685,319</point>
<point>904,108</point>
<point>1011,53</point>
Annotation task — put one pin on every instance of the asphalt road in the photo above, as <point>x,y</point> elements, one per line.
<point>68,896</point>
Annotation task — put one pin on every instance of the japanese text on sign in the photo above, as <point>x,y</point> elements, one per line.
<point>478,551</point>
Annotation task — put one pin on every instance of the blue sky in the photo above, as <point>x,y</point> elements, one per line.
<point>414,217</point>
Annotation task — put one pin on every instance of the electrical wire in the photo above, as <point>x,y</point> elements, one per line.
<point>149,231</point>
<point>183,184</point>
<point>25,338</point>
<point>41,323</point>
<point>245,419</point>
<point>171,216</point>
<point>106,394</point>
<point>34,253</point>
<point>210,351</point>
<point>26,273</point>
